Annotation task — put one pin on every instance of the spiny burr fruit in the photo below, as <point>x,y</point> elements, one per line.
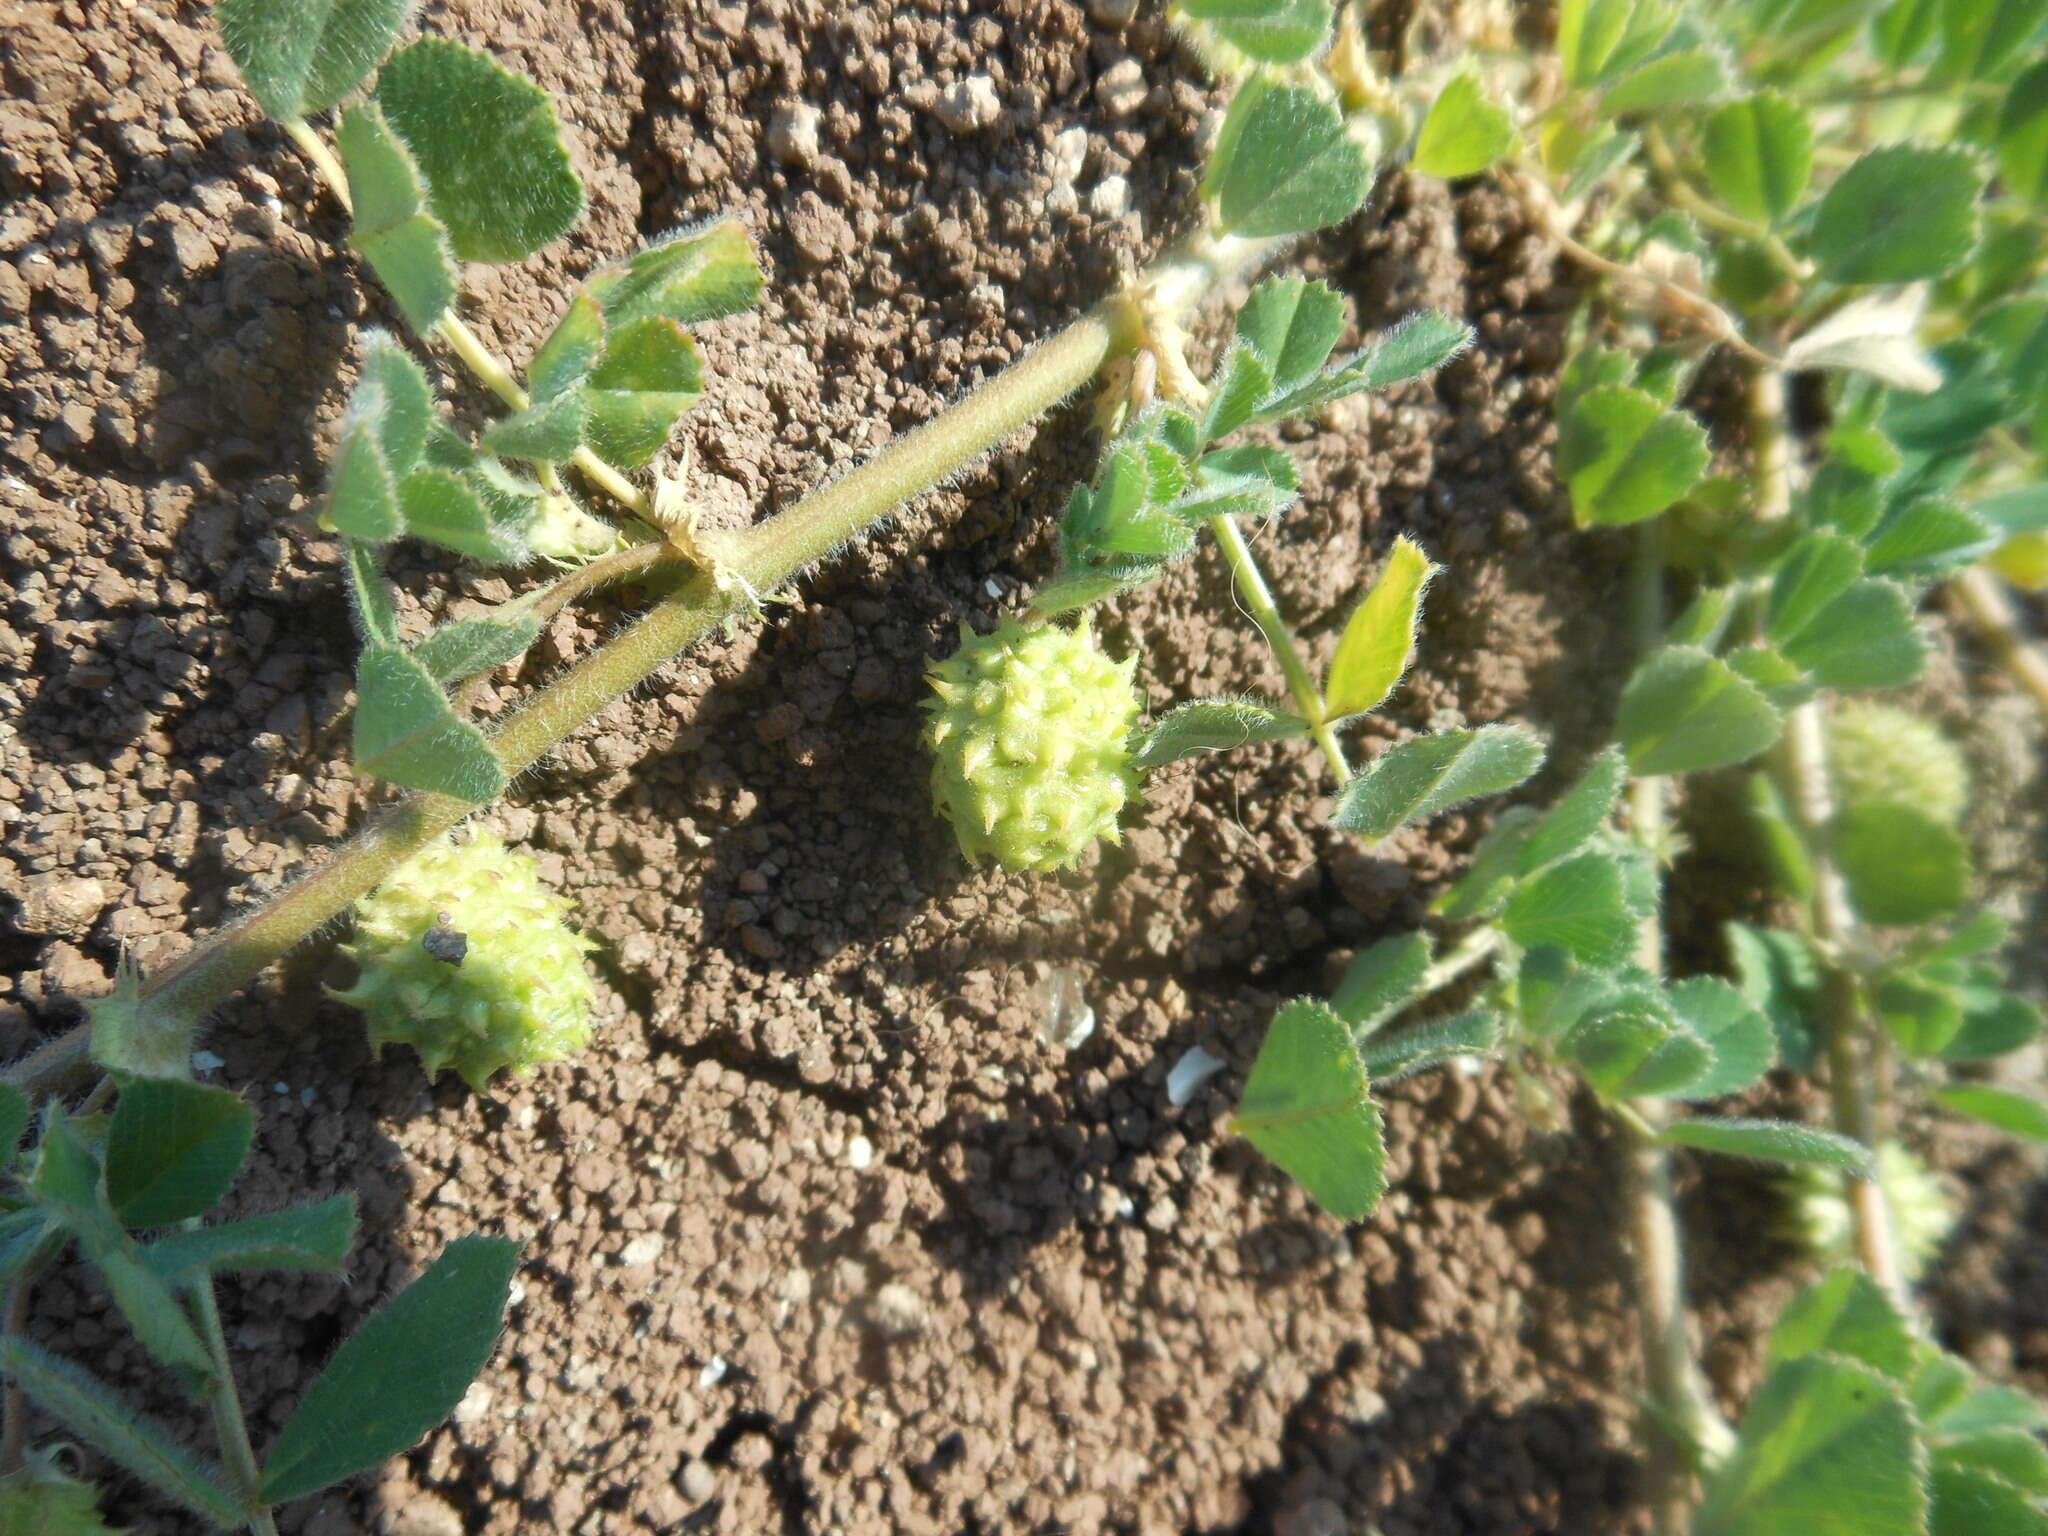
<point>1878,752</point>
<point>40,1500</point>
<point>1030,739</point>
<point>465,956</point>
<point>1819,1220</point>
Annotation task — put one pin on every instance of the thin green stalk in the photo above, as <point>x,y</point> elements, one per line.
<point>229,1427</point>
<point>490,370</point>
<point>1676,1388</point>
<point>1802,767</point>
<point>1301,683</point>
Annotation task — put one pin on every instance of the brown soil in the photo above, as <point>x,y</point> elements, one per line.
<point>824,1235</point>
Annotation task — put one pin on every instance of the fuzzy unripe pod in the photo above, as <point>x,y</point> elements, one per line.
<point>465,956</point>
<point>1877,752</point>
<point>1030,739</point>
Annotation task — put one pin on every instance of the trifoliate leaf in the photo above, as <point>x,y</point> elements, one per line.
<point>1929,537</point>
<point>1978,37</point>
<point>1816,570</point>
<point>1742,1039</point>
<point>1598,40</point>
<point>1827,1445</point>
<point>649,377</point>
<point>462,649</point>
<point>407,732</point>
<point>691,276</point>
<point>1577,906</point>
<point>571,350</point>
<point>1849,1315</point>
<point>445,509</point>
<point>547,432</point>
<point>173,1150</point>
<point>1866,638</point>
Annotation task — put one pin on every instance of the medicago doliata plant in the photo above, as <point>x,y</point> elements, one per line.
<point>1753,187</point>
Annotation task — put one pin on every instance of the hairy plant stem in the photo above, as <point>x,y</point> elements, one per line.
<point>1674,299</point>
<point>1301,683</point>
<point>13,1402</point>
<point>492,371</point>
<point>756,561</point>
<point>1802,770</point>
<point>1683,1417</point>
<point>1984,603</point>
<point>229,1427</point>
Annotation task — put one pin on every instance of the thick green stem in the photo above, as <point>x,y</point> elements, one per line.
<point>757,561</point>
<point>1301,683</point>
<point>229,1427</point>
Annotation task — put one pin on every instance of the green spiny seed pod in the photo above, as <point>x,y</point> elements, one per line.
<point>1819,1221</point>
<point>1030,739</point>
<point>465,956</point>
<point>1877,752</point>
<point>40,1500</point>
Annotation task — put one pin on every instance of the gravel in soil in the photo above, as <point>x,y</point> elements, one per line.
<point>824,1234</point>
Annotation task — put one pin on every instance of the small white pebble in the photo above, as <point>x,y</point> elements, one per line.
<point>992,587</point>
<point>969,104</point>
<point>642,1250</point>
<point>793,134</point>
<point>1111,198</point>
<point>1194,1068</point>
<point>896,1309</point>
<point>280,1087</point>
<point>476,1402</point>
<point>1069,156</point>
<point>696,1481</point>
<point>307,1096</point>
<point>516,1295</point>
<point>1121,88</point>
<point>713,1372</point>
<point>860,1153</point>
<point>206,1061</point>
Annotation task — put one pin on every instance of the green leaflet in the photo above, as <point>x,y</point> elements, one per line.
<point>1284,163</point>
<point>1464,133</point>
<point>1379,639</point>
<point>1432,773</point>
<point>394,232</point>
<point>486,140</point>
<point>1305,1106</point>
<point>299,57</point>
